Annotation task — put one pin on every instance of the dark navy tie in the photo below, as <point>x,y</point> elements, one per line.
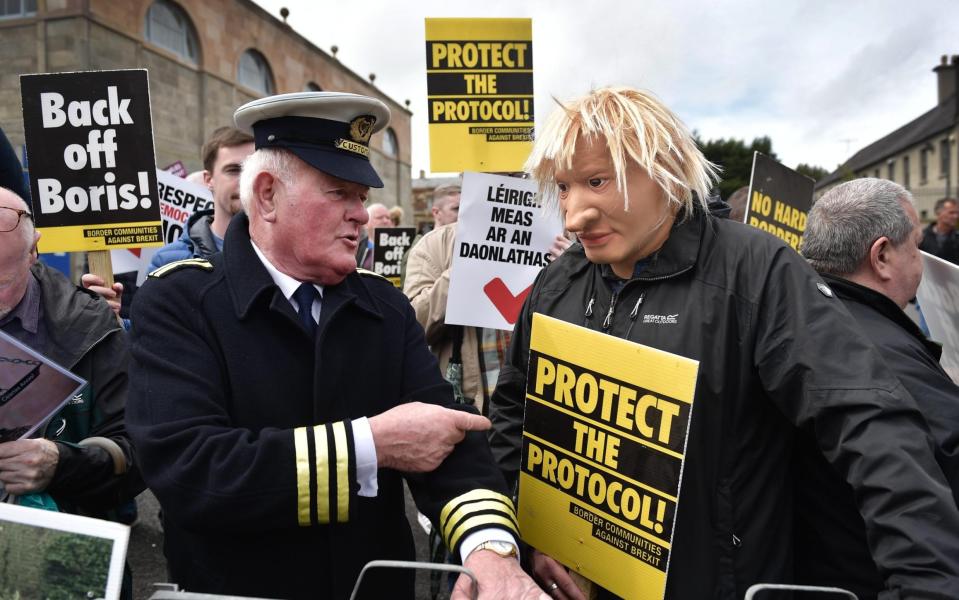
<point>304,296</point>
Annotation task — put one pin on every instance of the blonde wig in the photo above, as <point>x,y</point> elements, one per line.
<point>635,126</point>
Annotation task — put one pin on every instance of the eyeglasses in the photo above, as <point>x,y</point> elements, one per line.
<point>10,218</point>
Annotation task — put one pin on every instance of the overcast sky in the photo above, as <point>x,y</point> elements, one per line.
<point>821,78</point>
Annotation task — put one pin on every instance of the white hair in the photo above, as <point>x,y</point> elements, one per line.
<point>276,161</point>
<point>845,222</point>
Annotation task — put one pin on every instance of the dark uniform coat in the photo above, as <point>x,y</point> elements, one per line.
<point>243,423</point>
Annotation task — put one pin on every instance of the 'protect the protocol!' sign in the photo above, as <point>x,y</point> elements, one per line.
<point>779,200</point>
<point>479,86</point>
<point>604,440</point>
<point>92,169</point>
<point>502,241</point>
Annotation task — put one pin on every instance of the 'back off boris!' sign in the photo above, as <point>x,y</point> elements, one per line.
<point>389,246</point>
<point>779,200</point>
<point>92,168</point>
<point>479,81</point>
<point>604,439</point>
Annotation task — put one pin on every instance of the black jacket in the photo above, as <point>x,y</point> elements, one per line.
<point>197,241</point>
<point>776,353</point>
<point>946,250</point>
<point>230,406</point>
<point>831,547</point>
<point>83,335</point>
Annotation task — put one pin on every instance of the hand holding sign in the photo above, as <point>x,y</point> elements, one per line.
<point>27,466</point>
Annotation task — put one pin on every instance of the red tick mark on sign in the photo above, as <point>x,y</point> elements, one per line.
<point>505,302</point>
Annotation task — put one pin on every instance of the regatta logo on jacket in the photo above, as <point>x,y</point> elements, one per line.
<point>661,319</point>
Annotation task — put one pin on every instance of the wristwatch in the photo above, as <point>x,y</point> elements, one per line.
<point>504,549</point>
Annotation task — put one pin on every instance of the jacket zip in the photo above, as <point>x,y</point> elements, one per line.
<point>634,313</point>
<point>608,321</point>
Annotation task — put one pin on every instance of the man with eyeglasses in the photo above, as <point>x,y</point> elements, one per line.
<point>83,460</point>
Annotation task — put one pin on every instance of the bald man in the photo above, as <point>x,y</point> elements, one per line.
<point>379,216</point>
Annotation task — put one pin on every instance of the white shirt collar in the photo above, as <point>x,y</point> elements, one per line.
<point>283,281</point>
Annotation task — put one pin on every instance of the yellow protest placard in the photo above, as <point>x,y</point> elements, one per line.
<point>479,80</point>
<point>779,200</point>
<point>604,439</point>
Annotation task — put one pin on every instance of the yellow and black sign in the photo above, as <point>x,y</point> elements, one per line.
<point>603,444</point>
<point>779,200</point>
<point>479,80</point>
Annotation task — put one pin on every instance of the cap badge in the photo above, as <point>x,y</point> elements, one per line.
<point>361,128</point>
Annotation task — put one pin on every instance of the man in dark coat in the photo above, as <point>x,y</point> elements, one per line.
<point>941,238</point>
<point>83,460</point>
<point>281,397</point>
<point>862,237</point>
<point>778,355</point>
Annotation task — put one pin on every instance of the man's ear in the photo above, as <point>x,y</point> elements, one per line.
<point>34,252</point>
<point>265,189</point>
<point>879,259</point>
<point>208,179</point>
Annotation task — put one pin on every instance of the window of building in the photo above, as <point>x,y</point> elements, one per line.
<point>13,9</point>
<point>944,157</point>
<point>391,146</point>
<point>876,173</point>
<point>905,172</point>
<point>923,165</point>
<point>255,73</point>
<point>169,27</point>
<point>312,87</point>
<point>891,170</point>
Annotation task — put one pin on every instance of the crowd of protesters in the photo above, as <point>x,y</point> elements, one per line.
<point>275,394</point>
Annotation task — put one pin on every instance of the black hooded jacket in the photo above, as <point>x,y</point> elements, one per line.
<point>778,353</point>
<point>831,547</point>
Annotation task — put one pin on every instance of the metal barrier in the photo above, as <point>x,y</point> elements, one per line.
<point>764,587</point>
<point>172,592</point>
<point>420,566</point>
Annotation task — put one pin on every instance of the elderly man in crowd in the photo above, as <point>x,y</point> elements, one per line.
<point>863,237</point>
<point>777,353</point>
<point>83,460</point>
<point>379,216</point>
<point>276,456</point>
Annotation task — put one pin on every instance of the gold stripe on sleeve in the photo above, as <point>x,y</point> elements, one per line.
<point>342,473</point>
<point>322,475</point>
<point>466,509</point>
<point>478,521</point>
<point>302,477</point>
<point>470,496</point>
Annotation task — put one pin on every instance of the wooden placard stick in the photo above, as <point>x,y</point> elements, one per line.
<point>101,265</point>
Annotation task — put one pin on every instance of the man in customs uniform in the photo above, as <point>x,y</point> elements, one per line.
<point>277,457</point>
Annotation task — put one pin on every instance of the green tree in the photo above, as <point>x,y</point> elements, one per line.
<point>813,171</point>
<point>75,566</point>
<point>735,158</point>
